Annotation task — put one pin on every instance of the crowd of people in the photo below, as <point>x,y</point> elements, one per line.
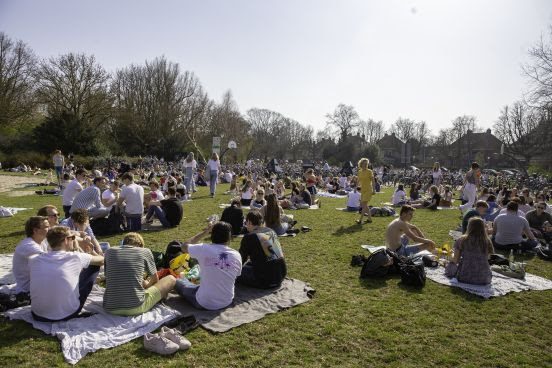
<point>493,217</point>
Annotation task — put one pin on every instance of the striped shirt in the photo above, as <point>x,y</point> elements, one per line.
<point>87,198</point>
<point>125,267</point>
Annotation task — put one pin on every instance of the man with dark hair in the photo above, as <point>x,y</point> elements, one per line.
<point>509,228</point>
<point>480,210</point>
<point>168,210</point>
<point>91,200</point>
<point>51,212</point>
<point>219,265</point>
<point>540,222</point>
<point>132,195</point>
<point>262,256</point>
<point>400,231</point>
<point>61,280</point>
<point>36,229</point>
<point>72,189</point>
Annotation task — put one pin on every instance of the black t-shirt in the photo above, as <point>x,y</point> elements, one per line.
<point>173,210</point>
<point>307,198</point>
<point>437,199</point>
<point>234,216</point>
<point>264,252</point>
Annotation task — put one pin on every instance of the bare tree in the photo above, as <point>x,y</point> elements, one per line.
<point>525,132</point>
<point>539,71</point>
<point>404,129</point>
<point>344,118</point>
<point>75,84</point>
<point>17,64</point>
<point>371,130</point>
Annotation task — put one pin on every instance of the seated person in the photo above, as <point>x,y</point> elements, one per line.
<point>299,200</point>
<point>247,193</point>
<point>509,228</point>
<point>263,260</point>
<point>480,210</point>
<point>353,200</point>
<point>169,210</point>
<point>414,192</point>
<point>446,198</point>
<point>51,212</point>
<point>493,207</point>
<point>219,267</point>
<point>399,196</point>
<point>400,231</point>
<point>537,219</point>
<point>90,199</point>
<point>259,201</point>
<point>85,236</point>
<point>274,216</point>
<point>471,254</point>
<point>234,216</point>
<point>61,280</point>
<point>36,229</point>
<point>155,193</point>
<point>111,195</point>
<point>435,200</point>
<point>127,293</point>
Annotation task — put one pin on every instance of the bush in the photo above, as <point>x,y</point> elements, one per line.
<point>30,158</point>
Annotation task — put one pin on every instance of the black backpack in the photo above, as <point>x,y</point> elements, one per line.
<point>111,225</point>
<point>376,265</point>
<point>412,272</point>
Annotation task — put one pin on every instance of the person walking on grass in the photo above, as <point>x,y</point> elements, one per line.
<point>366,181</point>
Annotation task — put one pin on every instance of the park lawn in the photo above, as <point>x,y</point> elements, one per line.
<point>349,322</point>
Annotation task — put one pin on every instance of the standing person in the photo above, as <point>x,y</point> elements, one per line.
<point>61,280</point>
<point>190,166</point>
<point>59,163</point>
<point>365,181</point>
<point>219,267</point>
<point>133,195</point>
<point>437,175</point>
<point>72,189</point>
<point>214,167</point>
<point>471,184</point>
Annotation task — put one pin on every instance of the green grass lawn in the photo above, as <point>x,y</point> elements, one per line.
<point>350,322</point>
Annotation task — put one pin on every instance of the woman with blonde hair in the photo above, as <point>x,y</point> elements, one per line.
<point>190,165</point>
<point>437,174</point>
<point>365,181</point>
<point>213,166</point>
<point>470,263</point>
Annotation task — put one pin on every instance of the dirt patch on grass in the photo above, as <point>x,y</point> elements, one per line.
<point>9,183</point>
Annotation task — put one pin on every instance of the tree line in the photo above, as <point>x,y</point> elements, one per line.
<point>71,102</point>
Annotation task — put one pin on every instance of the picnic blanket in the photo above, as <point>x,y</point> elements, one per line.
<point>331,195</point>
<point>11,211</point>
<point>500,285</point>
<point>80,336</point>
<point>249,305</point>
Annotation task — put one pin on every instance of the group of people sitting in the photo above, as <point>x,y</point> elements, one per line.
<point>56,267</point>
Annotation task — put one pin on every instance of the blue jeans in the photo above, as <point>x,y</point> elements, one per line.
<point>87,278</point>
<point>158,211</point>
<point>213,181</point>
<point>188,293</point>
<point>189,180</point>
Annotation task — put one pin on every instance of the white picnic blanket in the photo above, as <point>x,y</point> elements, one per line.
<point>500,285</point>
<point>11,211</point>
<point>80,336</point>
<point>330,195</point>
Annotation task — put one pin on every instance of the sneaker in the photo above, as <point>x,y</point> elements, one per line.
<point>159,344</point>
<point>172,335</point>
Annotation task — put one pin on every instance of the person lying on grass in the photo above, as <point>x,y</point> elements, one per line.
<point>127,293</point>
<point>400,231</point>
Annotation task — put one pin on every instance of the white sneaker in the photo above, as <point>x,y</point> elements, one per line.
<point>158,344</point>
<point>173,335</point>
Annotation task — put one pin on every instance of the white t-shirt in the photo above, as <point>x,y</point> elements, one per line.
<point>437,174</point>
<point>228,176</point>
<point>398,197</point>
<point>55,283</point>
<point>510,228</point>
<point>108,195</point>
<point>133,195</point>
<point>219,268</point>
<point>343,182</point>
<point>192,164</point>
<point>248,194</point>
<point>213,165</point>
<point>353,199</point>
<point>20,262</point>
<point>70,192</point>
<point>157,195</point>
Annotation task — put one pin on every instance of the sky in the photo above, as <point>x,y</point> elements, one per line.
<point>428,60</point>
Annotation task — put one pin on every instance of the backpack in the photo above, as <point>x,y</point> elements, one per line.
<point>376,265</point>
<point>173,250</point>
<point>412,272</point>
<point>544,252</point>
<point>113,224</point>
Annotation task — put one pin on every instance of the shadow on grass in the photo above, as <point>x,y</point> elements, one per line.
<point>347,230</point>
<point>13,233</point>
<point>466,295</point>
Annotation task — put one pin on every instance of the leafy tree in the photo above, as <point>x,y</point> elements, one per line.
<point>65,131</point>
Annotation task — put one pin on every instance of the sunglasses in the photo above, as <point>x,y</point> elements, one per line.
<point>54,215</point>
<point>541,208</point>
<point>72,237</point>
